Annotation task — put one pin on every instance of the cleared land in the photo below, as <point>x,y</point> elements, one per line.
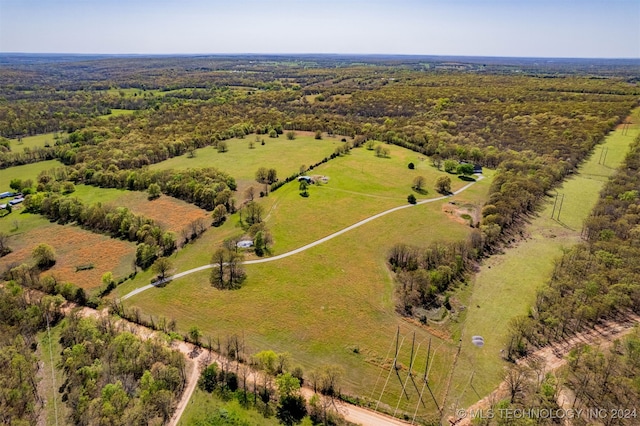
<point>37,141</point>
<point>74,248</point>
<point>330,304</point>
<point>51,378</point>
<point>204,405</point>
<point>171,213</point>
<point>506,284</point>
<point>28,171</point>
<point>115,112</point>
<point>360,185</point>
<point>241,162</point>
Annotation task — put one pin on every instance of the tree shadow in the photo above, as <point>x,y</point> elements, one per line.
<point>466,178</point>
<point>420,191</point>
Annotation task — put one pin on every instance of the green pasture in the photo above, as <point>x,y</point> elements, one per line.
<point>128,92</point>
<point>204,405</point>
<point>320,304</point>
<point>241,162</point>
<point>360,185</point>
<point>37,141</point>
<point>18,222</point>
<point>27,171</point>
<point>506,284</point>
<point>115,112</point>
<point>131,92</point>
<point>92,194</point>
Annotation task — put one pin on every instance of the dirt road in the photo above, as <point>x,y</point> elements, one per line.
<point>553,357</point>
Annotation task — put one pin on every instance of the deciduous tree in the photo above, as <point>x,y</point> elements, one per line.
<point>44,255</point>
<point>443,184</point>
<point>162,266</point>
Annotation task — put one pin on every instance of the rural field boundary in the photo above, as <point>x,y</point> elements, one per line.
<point>196,357</point>
<point>303,248</point>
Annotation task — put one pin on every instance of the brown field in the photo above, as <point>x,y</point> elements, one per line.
<point>171,213</point>
<point>74,247</point>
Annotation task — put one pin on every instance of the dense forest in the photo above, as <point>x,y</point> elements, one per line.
<point>113,377</point>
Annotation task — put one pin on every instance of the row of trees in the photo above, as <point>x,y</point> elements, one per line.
<point>119,222</point>
<point>270,385</point>
<point>597,279</point>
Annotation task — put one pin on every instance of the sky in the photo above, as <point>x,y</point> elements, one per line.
<point>516,28</point>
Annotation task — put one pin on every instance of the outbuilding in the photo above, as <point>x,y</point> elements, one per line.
<point>244,244</point>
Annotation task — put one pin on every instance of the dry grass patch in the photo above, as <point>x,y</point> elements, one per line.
<point>171,213</point>
<point>74,247</point>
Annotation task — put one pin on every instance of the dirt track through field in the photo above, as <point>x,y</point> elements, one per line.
<point>553,357</point>
<point>303,248</point>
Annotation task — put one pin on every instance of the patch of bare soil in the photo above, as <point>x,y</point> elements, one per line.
<point>462,212</point>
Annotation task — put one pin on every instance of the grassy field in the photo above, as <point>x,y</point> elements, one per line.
<point>241,162</point>
<point>204,405</point>
<point>37,141</point>
<point>360,185</point>
<point>28,171</point>
<point>115,112</point>
<point>74,247</point>
<point>332,304</point>
<point>506,284</point>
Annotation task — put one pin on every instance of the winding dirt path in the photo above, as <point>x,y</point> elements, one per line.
<point>553,357</point>
<point>305,247</point>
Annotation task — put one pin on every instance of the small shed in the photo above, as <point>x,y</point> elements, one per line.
<point>16,201</point>
<point>307,179</point>
<point>477,168</point>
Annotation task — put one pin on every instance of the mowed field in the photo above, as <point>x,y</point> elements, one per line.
<point>27,171</point>
<point>37,141</point>
<point>334,303</point>
<point>360,185</point>
<point>507,284</point>
<point>74,247</point>
<point>241,162</point>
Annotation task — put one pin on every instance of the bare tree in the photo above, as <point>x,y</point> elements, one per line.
<point>517,379</point>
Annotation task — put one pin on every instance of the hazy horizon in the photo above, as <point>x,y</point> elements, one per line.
<point>590,29</point>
